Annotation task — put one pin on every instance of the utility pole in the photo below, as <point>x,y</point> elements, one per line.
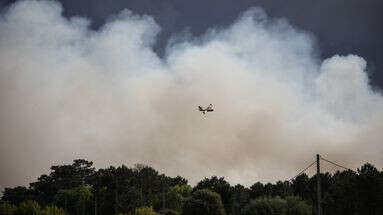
<point>318,185</point>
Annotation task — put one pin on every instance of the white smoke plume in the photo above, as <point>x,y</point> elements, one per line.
<point>69,92</point>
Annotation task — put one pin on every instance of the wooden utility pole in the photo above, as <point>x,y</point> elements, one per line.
<point>318,186</point>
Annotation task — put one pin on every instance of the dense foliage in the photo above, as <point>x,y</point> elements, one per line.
<point>80,189</point>
<point>203,202</point>
<point>29,207</point>
<point>277,206</point>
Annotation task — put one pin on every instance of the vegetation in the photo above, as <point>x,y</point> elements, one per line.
<point>144,211</point>
<point>29,207</point>
<point>277,206</point>
<point>204,202</point>
<point>80,189</point>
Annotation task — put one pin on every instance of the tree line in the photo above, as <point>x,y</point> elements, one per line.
<point>80,189</point>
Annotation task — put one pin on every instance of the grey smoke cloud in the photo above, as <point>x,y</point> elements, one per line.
<point>69,92</point>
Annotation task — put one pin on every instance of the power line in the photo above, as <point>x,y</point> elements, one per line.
<point>318,158</point>
<point>303,170</point>
<point>321,158</point>
<point>338,165</point>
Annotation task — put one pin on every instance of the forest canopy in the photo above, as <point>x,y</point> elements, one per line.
<point>80,189</point>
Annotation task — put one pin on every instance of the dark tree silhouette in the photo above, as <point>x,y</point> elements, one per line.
<point>79,189</point>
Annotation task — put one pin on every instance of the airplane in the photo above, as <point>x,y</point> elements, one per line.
<point>204,110</point>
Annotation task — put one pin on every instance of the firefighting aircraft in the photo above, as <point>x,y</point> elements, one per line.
<point>204,110</point>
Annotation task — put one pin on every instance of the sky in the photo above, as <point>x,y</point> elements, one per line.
<point>119,82</point>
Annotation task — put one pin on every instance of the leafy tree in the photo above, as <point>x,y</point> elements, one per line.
<point>370,190</point>
<point>282,189</point>
<point>104,183</point>
<point>62,177</point>
<point>204,202</point>
<point>175,197</point>
<point>177,181</point>
<point>220,186</point>
<point>174,201</point>
<point>44,189</point>
<point>326,182</point>
<point>296,206</point>
<point>76,201</point>
<point>240,198</point>
<point>74,175</point>
<point>123,189</point>
<point>300,186</point>
<point>116,189</point>
<point>17,195</point>
<point>266,206</point>
<point>149,185</point>
<point>184,190</point>
<point>257,190</point>
<point>342,197</point>
<point>269,189</point>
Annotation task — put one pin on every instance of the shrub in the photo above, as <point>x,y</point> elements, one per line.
<point>28,207</point>
<point>266,206</point>
<point>169,212</point>
<point>53,210</point>
<point>204,202</point>
<point>7,208</point>
<point>296,206</point>
<point>144,211</point>
<point>292,205</point>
